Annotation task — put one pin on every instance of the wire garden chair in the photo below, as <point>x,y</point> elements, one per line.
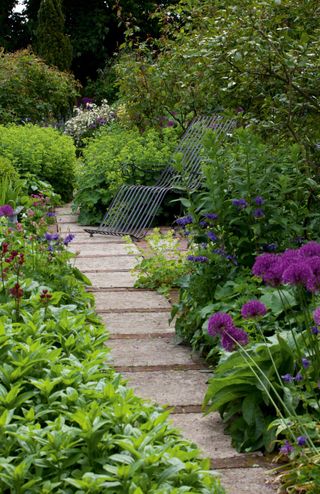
<point>135,206</point>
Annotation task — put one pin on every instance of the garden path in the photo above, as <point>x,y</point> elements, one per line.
<point>144,350</point>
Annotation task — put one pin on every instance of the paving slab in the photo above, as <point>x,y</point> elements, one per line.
<point>113,279</point>
<point>107,263</point>
<point>85,239</point>
<point>246,481</point>
<point>67,218</point>
<point>137,323</point>
<point>138,299</point>
<point>107,249</point>
<point>150,352</point>
<point>63,210</point>
<point>207,432</point>
<point>71,227</point>
<point>175,387</point>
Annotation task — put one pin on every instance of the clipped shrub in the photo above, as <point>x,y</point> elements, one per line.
<point>43,152</point>
<point>116,156</point>
<point>32,91</point>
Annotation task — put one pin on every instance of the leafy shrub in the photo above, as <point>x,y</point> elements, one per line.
<point>10,183</point>
<point>32,91</point>
<point>87,119</point>
<point>43,152</point>
<point>116,156</point>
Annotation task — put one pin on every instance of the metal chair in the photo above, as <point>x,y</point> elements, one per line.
<point>135,206</point>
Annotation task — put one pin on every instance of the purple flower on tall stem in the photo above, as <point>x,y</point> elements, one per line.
<point>298,377</point>
<point>212,236</point>
<point>286,448</point>
<point>51,236</point>
<point>305,362</point>
<point>310,249</point>
<point>253,309</point>
<point>218,323</point>
<point>314,330</point>
<point>239,203</point>
<point>298,273</point>
<point>316,316</point>
<point>233,337</point>
<point>211,216</point>
<point>287,378</point>
<point>6,210</point>
<point>68,239</point>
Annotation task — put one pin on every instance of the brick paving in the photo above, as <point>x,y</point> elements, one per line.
<point>144,350</point>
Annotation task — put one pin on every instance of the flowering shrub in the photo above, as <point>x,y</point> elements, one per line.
<point>88,118</point>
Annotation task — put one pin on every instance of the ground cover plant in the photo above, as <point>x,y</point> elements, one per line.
<point>68,423</point>
<point>44,152</point>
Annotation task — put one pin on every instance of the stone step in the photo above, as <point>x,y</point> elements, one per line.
<point>131,323</point>
<point>64,210</point>
<point>153,352</point>
<point>67,218</point>
<point>129,300</point>
<point>182,388</point>
<point>71,227</point>
<point>84,238</point>
<point>246,481</point>
<point>107,263</point>
<point>113,279</point>
<point>107,249</point>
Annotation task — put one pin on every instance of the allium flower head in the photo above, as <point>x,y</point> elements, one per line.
<point>269,267</point>
<point>310,249</point>
<point>6,210</point>
<point>253,309</point>
<point>299,273</point>
<point>233,337</point>
<point>239,203</point>
<point>219,322</point>
<point>316,316</point>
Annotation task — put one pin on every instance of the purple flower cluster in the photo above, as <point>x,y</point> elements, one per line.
<point>68,239</point>
<point>212,236</point>
<point>293,267</point>
<point>253,309</point>
<point>221,324</point>
<point>6,210</point>
<point>239,203</point>
<point>197,259</point>
<point>242,204</point>
<point>184,221</point>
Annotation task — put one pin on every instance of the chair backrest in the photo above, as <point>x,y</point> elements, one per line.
<point>189,147</point>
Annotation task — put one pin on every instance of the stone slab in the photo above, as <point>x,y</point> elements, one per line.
<point>138,299</point>
<point>112,279</point>
<point>63,210</point>
<point>246,481</point>
<point>71,227</point>
<point>115,263</point>
<point>67,218</point>
<point>107,249</point>
<point>149,352</point>
<point>137,323</point>
<point>171,388</point>
<point>84,238</point>
<point>207,432</point>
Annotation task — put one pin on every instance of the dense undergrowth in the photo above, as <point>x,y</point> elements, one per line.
<point>68,423</point>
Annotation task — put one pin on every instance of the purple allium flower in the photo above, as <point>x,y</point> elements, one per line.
<point>6,210</point>
<point>316,316</point>
<point>211,216</point>
<point>298,273</point>
<point>269,267</point>
<point>286,448</point>
<point>259,200</point>
<point>298,377</point>
<point>314,330</point>
<point>310,249</point>
<point>258,213</point>
<point>219,322</point>
<point>233,337</point>
<point>212,236</point>
<point>51,236</point>
<point>253,309</point>
<point>305,362</point>
<point>186,220</point>
<point>50,214</point>
<point>287,378</point>
<point>301,441</point>
<point>68,239</point>
<point>197,258</point>
<point>239,203</point>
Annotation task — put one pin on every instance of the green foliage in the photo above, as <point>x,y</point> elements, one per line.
<point>43,152</point>
<point>115,156</point>
<point>163,263</point>
<point>10,184</point>
<point>242,390</point>
<point>68,423</point>
<point>32,91</point>
<point>254,56</point>
<point>52,45</point>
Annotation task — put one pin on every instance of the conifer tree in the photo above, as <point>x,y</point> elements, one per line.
<point>51,43</point>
